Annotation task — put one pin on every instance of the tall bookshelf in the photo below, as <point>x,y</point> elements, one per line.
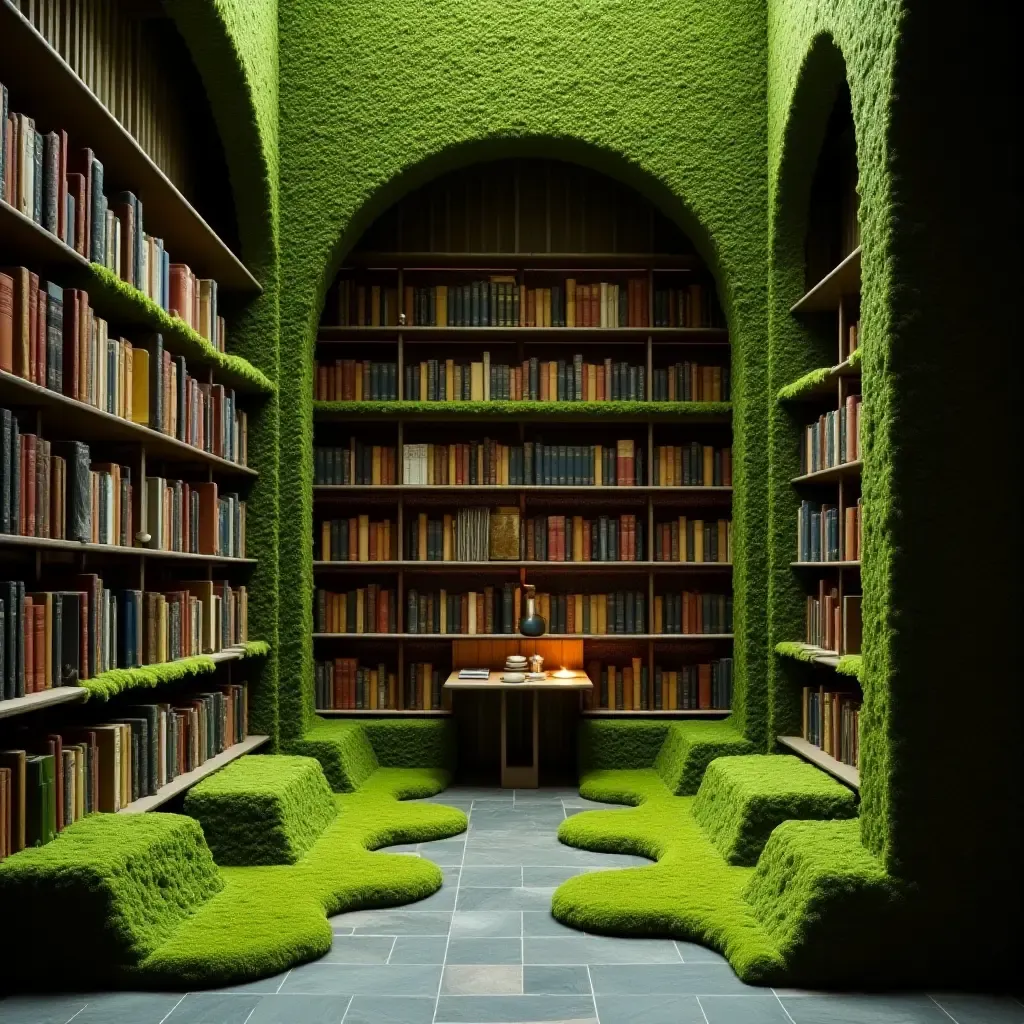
<point>825,407</point>
<point>532,224</point>
<point>116,78</point>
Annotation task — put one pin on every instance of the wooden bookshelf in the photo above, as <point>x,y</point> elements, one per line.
<point>845,773</point>
<point>386,713</point>
<point>832,474</point>
<point>189,779</point>
<point>38,701</point>
<point>696,568</point>
<point>74,547</point>
<point>842,282</point>
<point>656,713</point>
<point>623,638</point>
<point>603,413</point>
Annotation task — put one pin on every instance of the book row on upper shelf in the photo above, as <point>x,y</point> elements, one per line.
<point>569,380</point>
<point>62,191</point>
<point>374,609</point>
<point>819,537</point>
<point>705,686</point>
<point>50,337</point>
<point>53,491</point>
<point>502,301</point>
<point>831,721</point>
<point>59,638</point>
<point>480,534</point>
<point>50,779</point>
<point>833,440</point>
<point>833,622</point>
<point>342,684</point>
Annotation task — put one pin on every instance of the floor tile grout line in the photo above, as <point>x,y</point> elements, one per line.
<point>169,1012</point>
<point>679,952</point>
<point>75,1014</point>
<point>943,1009</point>
<point>593,995</point>
<point>451,920</point>
<point>702,1013</point>
<point>785,1010</point>
<point>283,980</point>
<point>348,1006</point>
<point>251,1012</point>
<point>394,942</point>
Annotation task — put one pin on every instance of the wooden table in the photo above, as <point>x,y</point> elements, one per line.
<point>520,776</point>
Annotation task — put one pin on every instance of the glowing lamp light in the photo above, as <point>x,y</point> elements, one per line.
<point>564,673</point>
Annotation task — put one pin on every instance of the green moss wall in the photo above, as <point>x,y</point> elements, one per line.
<point>377,98</point>
<point>938,268</point>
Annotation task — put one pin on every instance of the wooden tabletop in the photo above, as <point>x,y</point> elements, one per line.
<point>581,681</point>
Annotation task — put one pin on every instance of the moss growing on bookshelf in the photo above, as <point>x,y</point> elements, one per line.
<point>262,810</point>
<point>119,680</point>
<point>128,305</point>
<point>742,799</point>
<point>796,649</point>
<point>580,410</point>
<point>690,747</point>
<point>850,665</point>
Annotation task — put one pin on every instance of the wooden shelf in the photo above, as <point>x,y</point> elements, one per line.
<point>514,566</point>
<point>649,713</point>
<point>327,334</point>
<point>384,713</point>
<point>571,412</point>
<point>610,637</point>
<point>76,547</point>
<point>845,773</point>
<point>554,489</point>
<point>824,565</point>
<point>808,390</point>
<point>68,418</point>
<point>43,699</point>
<point>614,262</point>
<point>842,281</point>
<point>834,473</point>
<point>60,98</point>
<point>189,779</point>
<point>819,656</point>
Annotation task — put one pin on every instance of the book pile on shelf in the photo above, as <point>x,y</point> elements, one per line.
<point>575,539</point>
<point>834,624</point>
<point>357,464</point>
<point>692,612</point>
<point>608,614</point>
<point>423,687</point>
<point>62,191</point>
<point>693,540</point>
<point>692,306</point>
<point>462,537</point>
<point>355,380</point>
<point>57,638</point>
<point>342,684</point>
<point>563,380</point>
<point>492,463</point>
<point>833,440</point>
<point>486,611</point>
<point>357,539</point>
<point>818,537</point>
<point>691,382</point>
<point>619,687</point>
<point>831,721</point>
<point>50,780</point>
<point>692,465</point>
<point>194,518</point>
<point>703,687</point>
<point>370,609</point>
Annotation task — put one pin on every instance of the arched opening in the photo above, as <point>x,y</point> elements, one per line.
<point>522,371</point>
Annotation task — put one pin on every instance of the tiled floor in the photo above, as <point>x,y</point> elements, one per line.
<point>485,949</point>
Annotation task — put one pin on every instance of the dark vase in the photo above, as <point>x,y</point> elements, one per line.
<point>531,624</point>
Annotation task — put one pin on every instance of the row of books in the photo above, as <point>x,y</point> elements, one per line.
<point>692,465</point>
<point>834,623</point>
<point>575,539</point>
<point>193,518</point>
<point>692,612</point>
<point>62,191</point>
<point>370,609</point>
<point>614,613</point>
<point>58,638</point>
<point>489,610</point>
<point>490,462</point>
<point>692,306</point>
<point>358,539</point>
<point>51,337</point>
<point>356,380</point>
<point>705,687</point>
<point>562,380</point>
<point>833,440</point>
<point>462,537</point>
<point>342,684</point>
<point>51,780</point>
<point>359,463</point>
<point>831,721</point>
<point>819,537</point>
<point>693,540</point>
<point>691,382</point>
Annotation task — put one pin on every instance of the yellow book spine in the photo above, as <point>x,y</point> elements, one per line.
<point>448,542</point>
<point>698,540</point>
<point>598,465</point>
<point>449,379</point>
<point>570,302</point>
<point>364,538</point>
<point>325,541</point>
<point>658,614</point>
<point>360,610</point>
<point>373,689</point>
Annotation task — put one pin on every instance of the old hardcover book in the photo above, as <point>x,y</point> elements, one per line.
<point>504,533</point>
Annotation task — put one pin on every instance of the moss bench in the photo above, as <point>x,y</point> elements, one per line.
<point>742,799</point>
<point>263,810</point>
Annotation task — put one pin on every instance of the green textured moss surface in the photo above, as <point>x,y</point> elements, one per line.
<point>124,303</point>
<point>413,743</point>
<point>669,99</point>
<point>580,410</point>
<point>123,883</point>
<point>850,665</point>
<point>620,743</point>
<point>119,680</point>
<point>262,810</point>
<point>742,799</point>
<point>690,747</point>
<point>344,751</point>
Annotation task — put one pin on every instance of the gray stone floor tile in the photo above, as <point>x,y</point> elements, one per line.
<point>668,979</point>
<point>743,1010</point>
<point>865,1009</point>
<point>40,1009</point>
<point>400,848</point>
<point>397,922</point>
<point>504,899</point>
<point>390,1010</point>
<point>514,1009</point>
<point>540,922</point>
<point>215,1008</point>
<point>641,1009</point>
<point>967,1008</point>
<point>128,1007</point>
<point>299,1009</point>
<point>486,924</point>
<point>551,876</point>
<point>263,987</point>
<point>359,949</point>
<point>492,877</point>
<point>364,979</point>
<point>485,951</point>
<point>419,949</point>
<point>443,899</point>
<point>693,953</point>
<point>598,949</point>
<point>555,981</point>
<point>482,980</point>
<point>545,793</point>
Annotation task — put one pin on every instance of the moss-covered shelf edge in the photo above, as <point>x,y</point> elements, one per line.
<point>500,409</point>
<point>845,664</point>
<point>817,381</point>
